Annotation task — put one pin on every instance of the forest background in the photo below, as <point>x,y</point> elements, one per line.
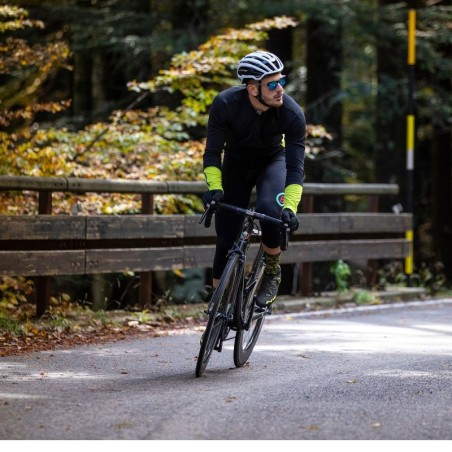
<point>113,89</point>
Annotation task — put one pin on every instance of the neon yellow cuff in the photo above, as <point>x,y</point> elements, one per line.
<point>213,178</point>
<point>292,197</point>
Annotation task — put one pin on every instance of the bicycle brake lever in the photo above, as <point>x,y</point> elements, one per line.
<point>209,214</point>
<point>205,215</point>
<point>286,239</point>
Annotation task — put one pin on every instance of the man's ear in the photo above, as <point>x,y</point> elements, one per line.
<point>252,89</point>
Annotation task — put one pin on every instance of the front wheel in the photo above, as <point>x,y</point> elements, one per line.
<point>219,311</point>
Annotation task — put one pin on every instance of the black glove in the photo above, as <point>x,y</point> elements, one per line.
<point>288,217</point>
<point>211,195</point>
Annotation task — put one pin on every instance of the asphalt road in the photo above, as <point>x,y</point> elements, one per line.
<point>362,374</point>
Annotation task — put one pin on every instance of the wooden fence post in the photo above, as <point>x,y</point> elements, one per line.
<point>43,283</point>
<point>145,284</point>
<point>305,269</point>
<point>371,276</point>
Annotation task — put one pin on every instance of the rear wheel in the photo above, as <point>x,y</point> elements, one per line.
<point>245,340</point>
<point>220,312</point>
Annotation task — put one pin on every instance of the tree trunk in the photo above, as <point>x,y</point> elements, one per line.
<point>81,93</point>
<point>390,131</point>
<point>441,198</point>
<point>280,43</point>
<point>324,66</point>
<point>98,98</point>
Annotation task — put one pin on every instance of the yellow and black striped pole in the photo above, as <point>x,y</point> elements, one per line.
<point>410,132</point>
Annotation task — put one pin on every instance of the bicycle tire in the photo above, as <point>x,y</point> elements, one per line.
<point>246,338</point>
<point>219,312</point>
<point>252,281</point>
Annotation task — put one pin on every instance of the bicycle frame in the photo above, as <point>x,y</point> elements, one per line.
<point>240,247</point>
<point>232,304</point>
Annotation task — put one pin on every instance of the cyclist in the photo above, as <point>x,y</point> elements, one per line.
<point>255,138</point>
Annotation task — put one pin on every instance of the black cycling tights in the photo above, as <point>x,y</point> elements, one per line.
<point>238,182</point>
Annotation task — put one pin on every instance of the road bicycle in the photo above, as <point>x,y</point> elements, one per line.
<point>232,307</point>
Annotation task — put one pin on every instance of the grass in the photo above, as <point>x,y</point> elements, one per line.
<point>11,326</point>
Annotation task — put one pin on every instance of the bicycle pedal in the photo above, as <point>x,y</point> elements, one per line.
<point>267,310</point>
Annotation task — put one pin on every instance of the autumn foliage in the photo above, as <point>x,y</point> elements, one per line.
<point>156,143</point>
<point>25,69</point>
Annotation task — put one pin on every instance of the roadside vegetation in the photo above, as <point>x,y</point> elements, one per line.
<point>162,142</point>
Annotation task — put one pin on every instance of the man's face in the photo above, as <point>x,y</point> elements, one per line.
<point>273,98</point>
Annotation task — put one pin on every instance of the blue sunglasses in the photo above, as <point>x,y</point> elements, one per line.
<point>272,85</point>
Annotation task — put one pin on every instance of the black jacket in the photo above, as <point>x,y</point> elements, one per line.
<point>247,137</point>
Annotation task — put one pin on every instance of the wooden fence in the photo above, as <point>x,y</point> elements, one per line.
<point>46,245</point>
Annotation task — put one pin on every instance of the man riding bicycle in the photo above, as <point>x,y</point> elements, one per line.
<point>261,131</point>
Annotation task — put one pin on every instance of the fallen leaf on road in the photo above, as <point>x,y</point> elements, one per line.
<point>312,428</point>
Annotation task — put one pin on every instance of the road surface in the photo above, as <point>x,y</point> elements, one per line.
<point>368,374</point>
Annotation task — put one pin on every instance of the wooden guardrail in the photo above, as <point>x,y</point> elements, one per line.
<point>47,245</point>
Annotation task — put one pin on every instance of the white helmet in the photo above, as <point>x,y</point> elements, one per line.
<point>258,65</point>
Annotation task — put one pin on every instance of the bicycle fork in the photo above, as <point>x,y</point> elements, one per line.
<point>250,296</point>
